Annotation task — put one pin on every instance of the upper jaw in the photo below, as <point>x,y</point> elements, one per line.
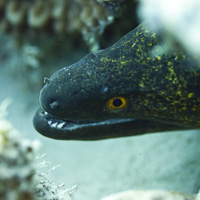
<point>60,129</point>
<point>62,124</point>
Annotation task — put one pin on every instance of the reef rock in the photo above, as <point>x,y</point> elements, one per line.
<point>178,20</point>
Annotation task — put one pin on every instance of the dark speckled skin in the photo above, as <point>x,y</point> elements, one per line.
<point>161,87</point>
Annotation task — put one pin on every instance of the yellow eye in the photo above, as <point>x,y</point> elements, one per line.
<point>117,103</point>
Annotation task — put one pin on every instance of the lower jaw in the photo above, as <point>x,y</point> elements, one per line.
<point>70,125</point>
<point>60,129</point>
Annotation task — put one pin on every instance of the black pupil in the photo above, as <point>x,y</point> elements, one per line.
<point>117,102</point>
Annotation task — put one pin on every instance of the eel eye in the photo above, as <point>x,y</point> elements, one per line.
<point>117,103</point>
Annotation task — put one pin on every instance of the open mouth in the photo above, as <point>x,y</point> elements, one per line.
<point>62,129</point>
<point>60,124</point>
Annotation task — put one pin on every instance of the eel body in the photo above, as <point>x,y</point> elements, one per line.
<point>134,87</point>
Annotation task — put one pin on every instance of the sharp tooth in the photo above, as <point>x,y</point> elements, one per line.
<point>61,125</point>
<point>49,122</point>
<point>54,124</point>
<point>46,113</point>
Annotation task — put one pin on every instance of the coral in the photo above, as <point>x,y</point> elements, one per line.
<point>47,190</point>
<point>177,20</point>
<point>150,195</point>
<point>43,36</point>
<point>19,177</point>
<point>16,168</point>
<point>90,17</point>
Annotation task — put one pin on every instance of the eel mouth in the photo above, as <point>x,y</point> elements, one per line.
<point>62,129</point>
<point>70,125</point>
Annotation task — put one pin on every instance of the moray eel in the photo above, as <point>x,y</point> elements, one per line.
<point>136,86</point>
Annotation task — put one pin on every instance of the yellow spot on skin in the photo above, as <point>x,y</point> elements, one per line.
<point>159,57</point>
<point>190,95</point>
<point>133,44</point>
<point>141,84</point>
<point>153,35</point>
<point>179,92</point>
<point>169,63</point>
<point>176,58</point>
<point>124,62</point>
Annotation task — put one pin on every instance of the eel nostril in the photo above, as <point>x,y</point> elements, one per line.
<point>54,104</point>
<point>46,80</point>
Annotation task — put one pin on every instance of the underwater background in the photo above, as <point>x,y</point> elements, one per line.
<point>29,52</point>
